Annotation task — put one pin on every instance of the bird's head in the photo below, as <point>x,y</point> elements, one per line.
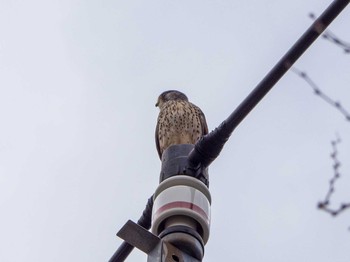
<point>169,96</point>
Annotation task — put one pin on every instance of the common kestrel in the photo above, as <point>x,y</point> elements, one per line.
<point>179,121</point>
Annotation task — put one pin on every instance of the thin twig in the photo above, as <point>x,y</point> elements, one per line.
<point>321,94</point>
<point>324,205</point>
<point>330,36</point>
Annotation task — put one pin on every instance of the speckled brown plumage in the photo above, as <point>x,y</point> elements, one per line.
<point>179,121</point>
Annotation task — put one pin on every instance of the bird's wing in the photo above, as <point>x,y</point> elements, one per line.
<point>203,121</point>
<point>157,140</point>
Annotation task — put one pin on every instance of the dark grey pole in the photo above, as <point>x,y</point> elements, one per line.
<point>210,146</point>
<point>145,221</point>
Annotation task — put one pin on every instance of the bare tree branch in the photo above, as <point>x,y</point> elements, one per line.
<point>321,94</point>
<point>330,36</point>
<point>325,204</point>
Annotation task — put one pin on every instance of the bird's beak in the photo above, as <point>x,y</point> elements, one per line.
<point>157,104</point>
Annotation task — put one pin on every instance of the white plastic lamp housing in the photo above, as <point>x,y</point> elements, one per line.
<point>182,196</point>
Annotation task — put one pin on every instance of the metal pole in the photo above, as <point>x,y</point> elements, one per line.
<point>304,42</point>
<point>210,146</point>
<point>122,252</point>
<point>125,248</point>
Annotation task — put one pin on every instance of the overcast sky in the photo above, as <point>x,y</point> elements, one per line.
<point>78,85</point>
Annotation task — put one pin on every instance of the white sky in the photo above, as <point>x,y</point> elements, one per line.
<point>78,84</point>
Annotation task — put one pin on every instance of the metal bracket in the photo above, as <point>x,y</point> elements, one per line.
<point>156,249</point>
<point>138,237</point>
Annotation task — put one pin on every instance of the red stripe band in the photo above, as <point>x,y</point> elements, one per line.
<point>182,204</point>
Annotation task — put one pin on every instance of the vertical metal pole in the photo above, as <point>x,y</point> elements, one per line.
<point>166,252</point>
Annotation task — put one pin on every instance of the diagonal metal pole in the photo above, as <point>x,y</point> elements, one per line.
<point>125,248</point>
<point>210,146</point>
<point>287,61</point>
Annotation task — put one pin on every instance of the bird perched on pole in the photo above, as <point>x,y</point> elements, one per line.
<point>179,121</point>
